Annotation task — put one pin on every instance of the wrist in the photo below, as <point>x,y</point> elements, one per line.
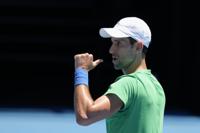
<point>81,76</point>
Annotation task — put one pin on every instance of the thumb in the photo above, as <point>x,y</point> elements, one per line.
<point>97,62</point>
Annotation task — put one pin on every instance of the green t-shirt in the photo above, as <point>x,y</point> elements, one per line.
<point>144,103</point>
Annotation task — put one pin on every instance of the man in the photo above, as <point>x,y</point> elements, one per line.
<point>135,102</point>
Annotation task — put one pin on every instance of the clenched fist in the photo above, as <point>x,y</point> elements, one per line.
<point>86,61</point>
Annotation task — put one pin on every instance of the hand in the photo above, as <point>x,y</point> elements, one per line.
<point>86,62</point>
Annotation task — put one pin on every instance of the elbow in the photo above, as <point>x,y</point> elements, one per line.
<point>85,118</point>
<point>82,120</point>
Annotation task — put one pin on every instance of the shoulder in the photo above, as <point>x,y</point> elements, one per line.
<point>123,83</point>
<point>124,80</point>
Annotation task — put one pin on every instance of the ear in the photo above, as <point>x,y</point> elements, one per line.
<point>139,45</point>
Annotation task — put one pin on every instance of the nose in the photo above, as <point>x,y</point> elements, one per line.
<point>111,50</point>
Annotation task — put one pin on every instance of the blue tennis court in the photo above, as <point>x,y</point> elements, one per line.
<point>47,121</point>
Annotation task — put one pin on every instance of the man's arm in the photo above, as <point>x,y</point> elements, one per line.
<point>87,110</point>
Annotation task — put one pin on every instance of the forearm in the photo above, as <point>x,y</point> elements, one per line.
<point>82,102</point>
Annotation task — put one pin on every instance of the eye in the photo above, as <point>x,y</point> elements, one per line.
<point>117,43</point>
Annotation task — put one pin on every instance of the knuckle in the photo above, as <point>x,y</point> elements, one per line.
<point>91,56</point>
<point>87,53</point>
<point>75,56</point>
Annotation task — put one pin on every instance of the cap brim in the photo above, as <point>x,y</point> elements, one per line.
<point>111,32</point>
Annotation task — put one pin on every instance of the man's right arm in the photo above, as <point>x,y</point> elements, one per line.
<point>88,110</point>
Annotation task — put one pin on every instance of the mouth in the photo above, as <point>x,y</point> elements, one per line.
<point>114,59</point>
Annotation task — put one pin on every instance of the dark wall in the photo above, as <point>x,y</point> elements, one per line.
<point>38,40</point>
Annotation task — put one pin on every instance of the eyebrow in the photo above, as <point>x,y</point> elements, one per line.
<point>120,39</point>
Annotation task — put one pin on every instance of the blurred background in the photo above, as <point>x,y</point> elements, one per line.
<point>39,38</point>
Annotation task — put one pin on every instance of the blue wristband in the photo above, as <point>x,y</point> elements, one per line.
<point>80,77</point>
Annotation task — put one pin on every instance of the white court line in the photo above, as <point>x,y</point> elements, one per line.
<point>34,121</point>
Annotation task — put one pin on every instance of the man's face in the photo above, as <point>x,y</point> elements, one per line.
<point>123,53</point>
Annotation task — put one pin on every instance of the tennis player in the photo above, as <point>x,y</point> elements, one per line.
<point>135,101</point>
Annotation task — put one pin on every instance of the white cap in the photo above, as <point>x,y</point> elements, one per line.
<point>132,27</point>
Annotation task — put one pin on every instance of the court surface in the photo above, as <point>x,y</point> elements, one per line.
<point>46,121</point>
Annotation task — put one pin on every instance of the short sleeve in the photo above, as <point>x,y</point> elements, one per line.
<point>124,88</point>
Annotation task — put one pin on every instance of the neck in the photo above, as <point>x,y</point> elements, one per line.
<point>138,64</point>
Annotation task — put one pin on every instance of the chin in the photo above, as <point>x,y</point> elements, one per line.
<point>117,68</point>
